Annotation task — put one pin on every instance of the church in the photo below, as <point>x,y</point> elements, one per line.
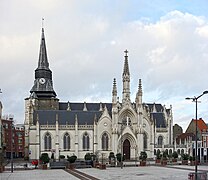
<point>66,128</point>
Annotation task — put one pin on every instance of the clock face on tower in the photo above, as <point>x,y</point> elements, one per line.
<point>42,80</point>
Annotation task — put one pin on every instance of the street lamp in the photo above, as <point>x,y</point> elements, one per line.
<point>11,145</point>
<point>195,99</point>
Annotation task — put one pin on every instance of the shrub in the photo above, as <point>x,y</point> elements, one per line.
<point>175,155</point>
<point>164,155</point>
<point>72,158</point>
<point>44,158</point>
<point>118,157</point>
<point>88,156</point>
<point>61,157</point>
<point>185,156</point>
<point>111,156</point>
<point>143,156</point>
<point>191,158</point>
<point>158,154</point>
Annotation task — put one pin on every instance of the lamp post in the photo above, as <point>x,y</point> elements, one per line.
<point>195,99</point>
<point>11,145</point>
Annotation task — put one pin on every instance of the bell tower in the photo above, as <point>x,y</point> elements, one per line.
<point>42,94</point>
<point>43,84</point>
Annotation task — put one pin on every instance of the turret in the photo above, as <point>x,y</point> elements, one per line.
<point>139,95</point>
<point>114,92</point>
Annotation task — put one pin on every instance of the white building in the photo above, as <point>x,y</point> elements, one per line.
<point>67,128</point>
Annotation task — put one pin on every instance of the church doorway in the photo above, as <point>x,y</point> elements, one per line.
<point>126,149</point>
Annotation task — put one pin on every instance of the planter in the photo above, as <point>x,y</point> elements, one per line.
<point>95,164</point>
<point>192,163</point>
<point>71,166</point>
<point>157,160</point>
<point>174,160</point>
<point>164,162</point>
<point>143,163</point>
<point>44,166</point>
<point>2,169</point>
<point>119,164</point>
<point>102,166</point>
<point>185,162</point>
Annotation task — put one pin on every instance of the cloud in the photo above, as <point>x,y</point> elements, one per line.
<point>85,50</point>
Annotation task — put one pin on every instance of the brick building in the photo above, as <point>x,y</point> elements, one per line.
<point>16,135</point>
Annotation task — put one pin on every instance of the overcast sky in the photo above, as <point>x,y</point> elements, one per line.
<point>86,39</point>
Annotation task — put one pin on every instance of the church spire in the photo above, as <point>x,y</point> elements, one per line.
<point>43,60</point>
<point>126,64</point>
<point>43,84</point>
<point>126,79</point>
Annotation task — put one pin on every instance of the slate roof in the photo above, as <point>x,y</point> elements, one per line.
<point>87,117</point>
<point>80,106</point>
<point>159,107</point>
<point>159,119</point>
<point>66,117</point>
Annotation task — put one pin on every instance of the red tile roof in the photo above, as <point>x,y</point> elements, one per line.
<point>201,124</point>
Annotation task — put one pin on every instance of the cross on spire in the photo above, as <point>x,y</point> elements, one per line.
<point>126,51</point>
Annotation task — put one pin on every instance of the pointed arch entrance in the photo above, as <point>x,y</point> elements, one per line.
<point>126,149</point>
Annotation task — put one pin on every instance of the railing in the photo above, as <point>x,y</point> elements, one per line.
<point>169,146</point>
<point>161,130</point>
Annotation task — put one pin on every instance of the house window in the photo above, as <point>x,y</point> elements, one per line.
<point>66,142</point>
<point>47,140</point>
<point>160,140</point>
<point>105,142</point>
<point>86,141</point>
<point>145,141</point>
<point>20,141</point>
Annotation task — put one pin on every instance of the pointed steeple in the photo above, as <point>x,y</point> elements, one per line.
<point>114,92</point>
<point>43,60</point>
<point>43,84</point>
<point>140,88</point>
<point>126,79</point>
<point>139,94</point>
<point>126,64</point>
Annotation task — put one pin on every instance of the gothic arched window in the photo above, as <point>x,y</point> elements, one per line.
<point>126,121</point>
<point>66,141</point>
<point>105,142</point>
<point>86,141</point>
<point>47,142</point>
<point>160,140</point>
<point>145,141</point>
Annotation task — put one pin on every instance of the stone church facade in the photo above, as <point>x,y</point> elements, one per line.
<point>66,128</point>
